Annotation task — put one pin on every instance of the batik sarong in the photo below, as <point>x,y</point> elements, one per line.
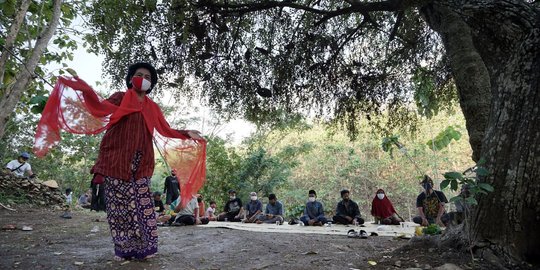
<point>131,216</point>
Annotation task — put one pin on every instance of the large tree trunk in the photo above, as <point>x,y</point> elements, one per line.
<point>26,70</point>
<point>12,36</point>
<point>506,35</point>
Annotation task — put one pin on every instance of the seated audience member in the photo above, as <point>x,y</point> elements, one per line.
<point>273,211</point>
<point>161,216</point>
<point>430,205</point>
<point>67,206</point>
<point>253,208</point>
<point>188,215</point>
<point>314,211</point>
<point>383,211</point>
<point>233,209</point>
<point>210,212</point>
<point>20,167</point>
<point>347,211</point>
<point>202,208</point>
<point>85,200</point>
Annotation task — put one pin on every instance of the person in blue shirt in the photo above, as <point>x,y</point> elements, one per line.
<point>273,212</point>
<point>314,211</point>
<point>253,208</point>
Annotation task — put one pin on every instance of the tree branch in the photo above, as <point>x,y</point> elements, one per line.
<point>13,94</point>
<point>247,7</point>
<point>12,36</point>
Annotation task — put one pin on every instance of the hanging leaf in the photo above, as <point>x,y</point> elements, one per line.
<point>444,138</point>
<point>481,171</point>
<point>454,185</point>
<point>445,183</point>
<point>485,186</point>
<point>453,176</point>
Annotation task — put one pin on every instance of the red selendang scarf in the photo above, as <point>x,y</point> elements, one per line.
<point>382,208</point>
<point>84,112</point>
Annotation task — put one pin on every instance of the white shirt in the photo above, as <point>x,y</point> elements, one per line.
<point>210,211</point>
<point>190,208</point>
<point>20,171</point>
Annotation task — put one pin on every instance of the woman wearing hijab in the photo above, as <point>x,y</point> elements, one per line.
<point>383,210</point>
<point>126,154</point>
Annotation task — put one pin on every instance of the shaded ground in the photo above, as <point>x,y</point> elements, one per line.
<point>57,243</point>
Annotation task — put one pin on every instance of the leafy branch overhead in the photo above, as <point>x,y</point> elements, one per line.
<point>469,182</point>
<point>333,59</point>
<point>444,138</point>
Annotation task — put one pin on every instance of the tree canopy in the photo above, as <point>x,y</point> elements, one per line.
<point>323,58</point>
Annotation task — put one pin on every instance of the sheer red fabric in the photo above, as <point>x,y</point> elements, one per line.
<point>382,208</point>
<point>75,107</point>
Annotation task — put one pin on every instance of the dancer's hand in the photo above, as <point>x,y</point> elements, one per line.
<point>194,134</point>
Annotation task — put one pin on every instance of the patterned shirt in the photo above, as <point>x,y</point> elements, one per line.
<point>430,204</point>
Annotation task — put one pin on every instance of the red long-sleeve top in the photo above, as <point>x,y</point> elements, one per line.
<point>121,142</point>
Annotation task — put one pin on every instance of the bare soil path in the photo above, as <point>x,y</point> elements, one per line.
<point>56,243</point>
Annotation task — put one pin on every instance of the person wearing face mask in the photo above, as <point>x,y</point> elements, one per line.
<point>125,161</point>
<point>233,209</point>
<point>383,211</point>
<point>314,211</point>
<point>347,210</point>
<point>171,188</point>
<point>188,214</point>
<point>430,205</point>
<point>200,202</point>
<point>253,208</point>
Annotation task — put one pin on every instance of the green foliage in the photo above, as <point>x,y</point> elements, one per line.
<point>68,163</point>
<point>471,182</point>
<point>424,87</point>
<point>432,229</point>
<point>388,143</point>
<point>444,138</point>
<point>7,197</point>
<point>280,61</point>
<point>63,45</point>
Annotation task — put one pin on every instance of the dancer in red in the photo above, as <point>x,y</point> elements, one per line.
<point>126,158</point>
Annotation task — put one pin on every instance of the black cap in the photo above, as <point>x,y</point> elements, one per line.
<point>312,192</point>
<point>232,191</point>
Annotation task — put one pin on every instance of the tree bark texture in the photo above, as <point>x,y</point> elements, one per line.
<point>506,36</point>
<point>26,70</point>
<point>12,36</point>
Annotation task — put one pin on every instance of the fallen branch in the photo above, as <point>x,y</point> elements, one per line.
<point>8,208</point>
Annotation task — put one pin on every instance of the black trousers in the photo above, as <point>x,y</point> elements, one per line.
<point>190,220</point>
<point>344,221</point>
<point>98,197</point>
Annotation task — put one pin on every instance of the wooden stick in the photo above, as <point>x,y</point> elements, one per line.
<point>8,208</point>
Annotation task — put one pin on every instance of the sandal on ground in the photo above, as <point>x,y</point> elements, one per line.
<point>352,234</point>
<point>363,234</point>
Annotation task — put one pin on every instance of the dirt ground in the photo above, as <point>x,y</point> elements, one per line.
<point>56,243</point>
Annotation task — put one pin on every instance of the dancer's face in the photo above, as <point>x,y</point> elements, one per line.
<point>144,73</point>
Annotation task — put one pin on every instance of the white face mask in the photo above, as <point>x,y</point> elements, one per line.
<point>311,199</point>
<point>232,197</point>
<point>145,84</point>
<point>380,196</point>
<point>253,198</point>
